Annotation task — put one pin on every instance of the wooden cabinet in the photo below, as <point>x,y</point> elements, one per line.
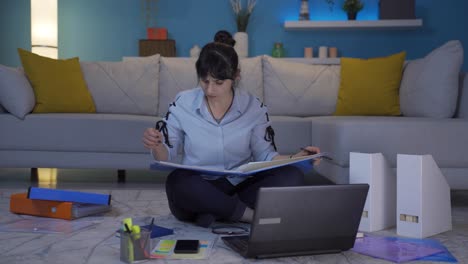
<point>148,47</point>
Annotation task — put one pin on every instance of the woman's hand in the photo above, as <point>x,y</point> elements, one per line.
<point>309,150</point>
<point>152,138</point>
<point>306,151</point>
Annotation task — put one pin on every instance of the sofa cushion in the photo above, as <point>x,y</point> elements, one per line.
<point>391,136</point>
<point>311,89</point>
<point>430,85</point>
<point>370,86</point>
<point>107,133</point>
<point>124,87</point>
<point>291,133</point>
<point>16,94</point>
<point>178,74</point>
<point>59,86</point>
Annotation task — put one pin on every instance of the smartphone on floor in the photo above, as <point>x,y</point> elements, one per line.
<point>186,246</point>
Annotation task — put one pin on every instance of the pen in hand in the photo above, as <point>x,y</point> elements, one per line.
<point>313,153</point>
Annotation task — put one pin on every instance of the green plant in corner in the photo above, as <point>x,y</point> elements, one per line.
<point>352,7</point>
<point>242,15</point>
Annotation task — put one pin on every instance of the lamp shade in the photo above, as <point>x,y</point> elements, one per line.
<point>44,32</point>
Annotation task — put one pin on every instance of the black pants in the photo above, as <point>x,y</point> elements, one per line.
<point>190,195</point>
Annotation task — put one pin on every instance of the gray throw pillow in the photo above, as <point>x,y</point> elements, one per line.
<point>16,93</point>
<point>311,89</point>
<point>124,87</point>
<point>176,75</point>
<point>429,87</point>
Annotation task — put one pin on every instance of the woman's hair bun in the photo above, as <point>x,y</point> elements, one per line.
<point>224,37</point>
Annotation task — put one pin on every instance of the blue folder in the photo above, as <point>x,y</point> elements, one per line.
<point>37,193</point>
<point>159,231</point>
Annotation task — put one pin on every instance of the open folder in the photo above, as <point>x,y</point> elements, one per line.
<point>246,169</point>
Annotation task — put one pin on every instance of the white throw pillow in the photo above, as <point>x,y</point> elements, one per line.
<point>16,93</point>
<point>429,87</point>
<point>312,90</point>
<point>126,87</point>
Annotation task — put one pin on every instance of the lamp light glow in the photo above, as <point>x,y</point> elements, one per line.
<point>44,32</point>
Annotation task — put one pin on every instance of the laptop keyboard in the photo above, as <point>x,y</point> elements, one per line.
<point>238,243</point>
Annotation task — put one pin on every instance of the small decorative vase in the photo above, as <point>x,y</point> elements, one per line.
<point>352,15</point>
<point>278,50</point>
<point>195,51</point>
<point>242,44</point>
<point>304,11</point>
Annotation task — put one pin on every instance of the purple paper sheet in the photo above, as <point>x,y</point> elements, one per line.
<point>444,256</point>
<point>393,250</point>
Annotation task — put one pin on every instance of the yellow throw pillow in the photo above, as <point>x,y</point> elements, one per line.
<point>58,85</point>
<point>370,86</point>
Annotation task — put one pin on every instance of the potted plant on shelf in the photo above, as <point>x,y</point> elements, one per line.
<point>242,16</point>
<point>149,15</point>
<point>352,7</point>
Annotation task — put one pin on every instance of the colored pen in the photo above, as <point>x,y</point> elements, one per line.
<point>149,236</point>
<point>130,244</point>
<point>128,228</point>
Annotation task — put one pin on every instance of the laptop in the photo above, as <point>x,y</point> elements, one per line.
<point>302,220</point>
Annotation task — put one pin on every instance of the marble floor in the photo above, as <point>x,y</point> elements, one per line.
<point>141,198</point>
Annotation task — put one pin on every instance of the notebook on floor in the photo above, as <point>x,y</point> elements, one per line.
<point>304,220</point>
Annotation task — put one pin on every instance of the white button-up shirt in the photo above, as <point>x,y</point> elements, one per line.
<point>239,138</point>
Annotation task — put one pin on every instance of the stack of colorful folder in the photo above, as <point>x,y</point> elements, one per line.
<point>61,204</point>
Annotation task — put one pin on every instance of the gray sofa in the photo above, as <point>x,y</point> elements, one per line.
<point>301,96</point>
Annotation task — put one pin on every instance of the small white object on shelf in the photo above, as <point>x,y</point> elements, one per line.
<point>323,52</point>
<point>195,51</point>
<point>356,24</point>
<point>423,197</point>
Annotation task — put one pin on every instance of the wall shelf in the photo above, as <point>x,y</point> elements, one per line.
<point>354,24</point>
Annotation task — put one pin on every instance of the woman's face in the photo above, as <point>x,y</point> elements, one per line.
<point>216,88</point>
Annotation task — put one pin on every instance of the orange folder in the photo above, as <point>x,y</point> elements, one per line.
<point>20,204</point>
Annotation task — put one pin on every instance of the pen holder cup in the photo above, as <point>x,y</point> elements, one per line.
<point>135,247</point>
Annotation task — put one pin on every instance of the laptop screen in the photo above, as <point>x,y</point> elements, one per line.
<point>307,218</point>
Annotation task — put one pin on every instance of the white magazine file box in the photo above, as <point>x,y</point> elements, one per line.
<point>380,207</point>
<point>423,197</point>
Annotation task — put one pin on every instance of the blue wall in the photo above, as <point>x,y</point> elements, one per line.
<point>110,29</point>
